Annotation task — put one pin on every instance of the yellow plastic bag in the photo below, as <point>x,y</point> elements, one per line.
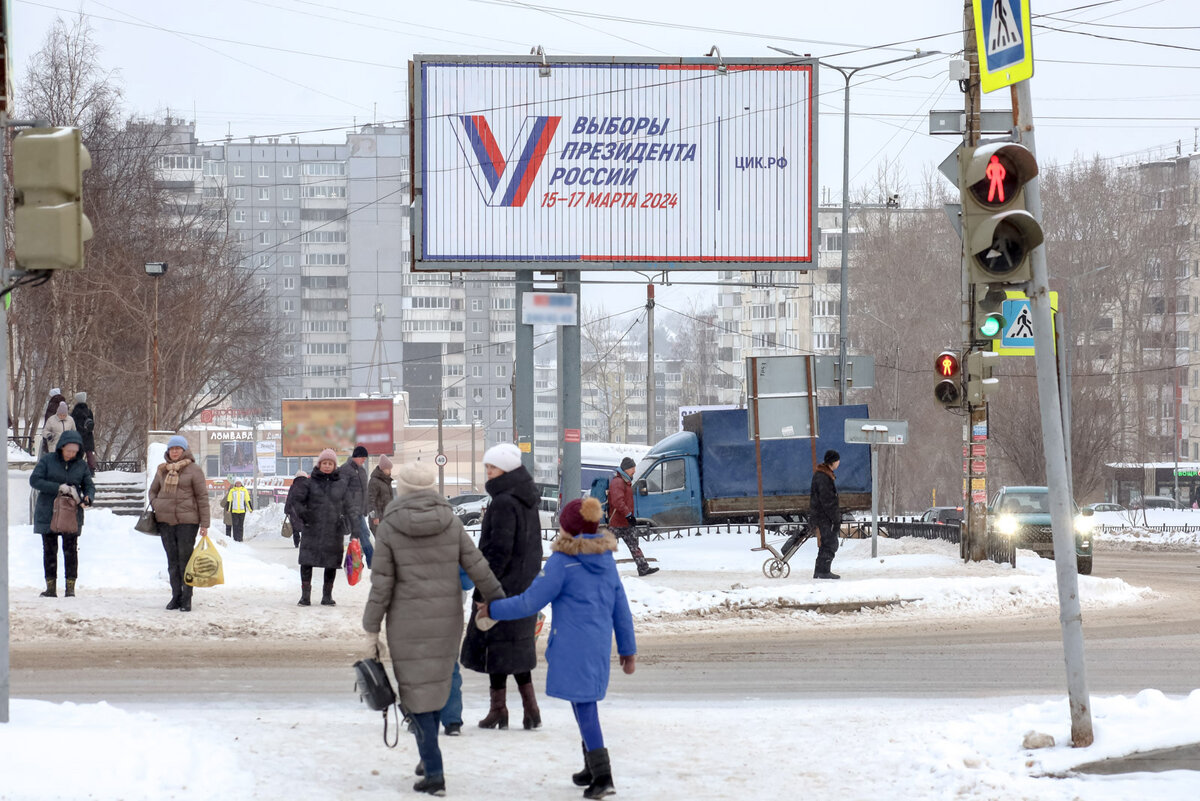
<point>204,568</point>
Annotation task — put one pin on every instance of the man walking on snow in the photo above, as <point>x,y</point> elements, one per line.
<point>621,519</point>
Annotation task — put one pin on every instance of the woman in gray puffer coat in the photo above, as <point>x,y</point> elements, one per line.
<point>415,585</point>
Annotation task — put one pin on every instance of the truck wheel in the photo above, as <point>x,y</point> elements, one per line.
<point>776,568</point>
<point>1084,565</point>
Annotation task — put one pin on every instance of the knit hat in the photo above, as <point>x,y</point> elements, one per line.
<point>300,474</point>
<point>415,477</point>
<point>53,392</point>
<point>627,463</point>
<point>359,451</point>
<point>81,397</point>
<point>177,441</point>
<point>62,408</point>
<point>327,454</point>
<point>385,463</point>
<point>580,516</point>
<point>505,456</point>
<point>238,483</point>
<point>832,456</point>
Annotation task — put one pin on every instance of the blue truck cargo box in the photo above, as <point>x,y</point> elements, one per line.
<point>727,460</point>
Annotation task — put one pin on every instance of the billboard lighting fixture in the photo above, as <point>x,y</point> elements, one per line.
<point>721,68</point>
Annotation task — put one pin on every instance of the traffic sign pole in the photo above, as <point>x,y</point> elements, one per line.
<point>1070,614</point>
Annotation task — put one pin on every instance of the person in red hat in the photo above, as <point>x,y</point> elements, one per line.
<point>581,583</point>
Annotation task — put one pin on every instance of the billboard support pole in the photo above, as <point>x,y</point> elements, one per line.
<point>570,377</point>
<point>523,374</point>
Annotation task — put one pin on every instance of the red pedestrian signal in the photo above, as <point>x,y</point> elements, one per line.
<point>948,389</point>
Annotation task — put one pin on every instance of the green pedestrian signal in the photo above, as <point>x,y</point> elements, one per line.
<point>991,325</point>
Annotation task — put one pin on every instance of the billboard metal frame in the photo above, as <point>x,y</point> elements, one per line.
<point>730,67</point>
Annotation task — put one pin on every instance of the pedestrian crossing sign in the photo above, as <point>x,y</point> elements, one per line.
<point>1003,38</point>
<point>1017,335</point>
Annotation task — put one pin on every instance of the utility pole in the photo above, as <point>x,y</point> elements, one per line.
<point>4,611</point>
<point>473,484</point>
<point>441,461</point>
<point>650,410</point>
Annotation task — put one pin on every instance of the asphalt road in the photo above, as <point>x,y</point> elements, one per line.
<point>1151,645</point>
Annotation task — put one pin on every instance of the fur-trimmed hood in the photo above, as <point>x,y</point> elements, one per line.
<point>827,470</point>
<point>588,548</point>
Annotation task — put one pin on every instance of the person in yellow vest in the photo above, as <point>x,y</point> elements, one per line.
<point>237,502</point>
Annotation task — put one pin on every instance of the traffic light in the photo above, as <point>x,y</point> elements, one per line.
<point>998,232</point>
<point>948,389</point>
<point>989,319</point>
<point>49,226</point>
<point>979,375</point>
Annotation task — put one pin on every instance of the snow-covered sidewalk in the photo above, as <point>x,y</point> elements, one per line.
<point>830,750</point>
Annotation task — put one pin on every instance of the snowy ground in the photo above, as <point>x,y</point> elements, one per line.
<point>328,747</point>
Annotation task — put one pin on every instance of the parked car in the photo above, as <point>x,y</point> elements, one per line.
<point>1105,507</point>
<point>471,512</point>
<point>466,497</point>
<point>943,514</point>
<point>1022,514</point>
<point>1156,502</point>
<point>548,512</point>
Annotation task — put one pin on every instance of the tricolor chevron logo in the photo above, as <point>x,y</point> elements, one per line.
<point>504,182</point>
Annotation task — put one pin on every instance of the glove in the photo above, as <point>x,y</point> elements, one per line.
<point>374,648</point>
<point>632,520</point>
<point>482,621</point>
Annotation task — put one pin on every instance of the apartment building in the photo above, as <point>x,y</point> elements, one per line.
<point>325,228</point>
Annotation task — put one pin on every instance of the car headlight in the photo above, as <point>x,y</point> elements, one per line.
<point>1007,525</point>
<point>1084,525</point>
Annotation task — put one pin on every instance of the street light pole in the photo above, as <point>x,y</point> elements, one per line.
<point>156,270</point>
<point>844,310</point>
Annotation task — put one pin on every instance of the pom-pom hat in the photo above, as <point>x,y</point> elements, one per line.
<point>580,516</point>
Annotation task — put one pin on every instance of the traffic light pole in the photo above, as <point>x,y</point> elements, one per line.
<point>1061,514</point>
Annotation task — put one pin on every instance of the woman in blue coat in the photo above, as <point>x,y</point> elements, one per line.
<point>588,604</point>
<point>64,471</point>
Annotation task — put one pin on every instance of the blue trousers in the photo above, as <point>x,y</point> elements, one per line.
<point>451,714</point>
<point>364,539</point>
<point>587,715</point>
<point>426,731</point>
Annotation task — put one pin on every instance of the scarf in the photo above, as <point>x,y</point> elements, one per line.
<point>171,479</point>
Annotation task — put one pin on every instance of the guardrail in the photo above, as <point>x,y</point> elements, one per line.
<point>121,465</point>
<point>1164,529</point>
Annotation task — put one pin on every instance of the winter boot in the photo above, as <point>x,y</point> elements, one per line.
<point>602,784</point>
<point>305,593</point>
<point>174,604</point>
<point>584,777</point>
<point>497,716</point>
<point>70,593</point>
<point>434,785</point>
<point>647,570</point>
<point>327,594</point>
<point>51,589</point>
<point>533,716</point>
<point>420,769</point>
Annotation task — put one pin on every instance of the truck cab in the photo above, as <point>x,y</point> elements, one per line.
<point>666,490</point>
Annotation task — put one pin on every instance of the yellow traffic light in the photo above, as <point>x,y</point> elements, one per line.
<point>49,226</point>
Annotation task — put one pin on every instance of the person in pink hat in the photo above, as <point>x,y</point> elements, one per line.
<point>326,508</point>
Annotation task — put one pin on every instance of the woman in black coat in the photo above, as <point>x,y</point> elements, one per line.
<point>325,508</point>
<point>511,541</point>
<point>65,470</point>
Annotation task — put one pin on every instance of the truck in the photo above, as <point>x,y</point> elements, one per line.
<point>707,473</point>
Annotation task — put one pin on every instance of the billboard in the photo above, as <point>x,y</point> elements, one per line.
<point>310,426</point>
<point>612,163</point>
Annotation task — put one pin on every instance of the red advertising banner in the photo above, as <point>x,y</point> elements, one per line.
<point>310,426</point>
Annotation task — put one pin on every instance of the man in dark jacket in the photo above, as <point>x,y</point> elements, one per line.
<point>621,519</point>
<point>825,514</point>
<point>355,475</point>
<point>85,422</point>
<point>511,541</point>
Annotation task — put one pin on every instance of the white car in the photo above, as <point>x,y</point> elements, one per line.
<point>471,513</point>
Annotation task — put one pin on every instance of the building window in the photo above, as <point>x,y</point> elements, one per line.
<point>289,260</point>
<point>501,371</point>
<point>325,168</point>
<point>239,193</point>
<point>264,193</point>
<point>476,327</point>
<point>286,193</point>
<point>476,304</point>
<point>264,171</point>
<point>239,171</point>
<point>477,371</point>
<point>264,238</point>
<point>501,393</point>
<point>264,216</point>
<point>286,216</point>
<point>323,236</point>
<point>287,305</point>
<point>239,216</point>
<point>289,282</point>
<point>501,349</point>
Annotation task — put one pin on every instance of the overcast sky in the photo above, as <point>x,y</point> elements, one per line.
<point>314,69</point>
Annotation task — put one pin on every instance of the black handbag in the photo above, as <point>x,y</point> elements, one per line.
<point>375,690</point>
<point>146,523</point>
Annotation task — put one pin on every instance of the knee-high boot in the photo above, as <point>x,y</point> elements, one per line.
<point>497,716</point>
<point>532,717</point>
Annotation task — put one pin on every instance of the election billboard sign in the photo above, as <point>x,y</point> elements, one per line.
<point>594,164</point>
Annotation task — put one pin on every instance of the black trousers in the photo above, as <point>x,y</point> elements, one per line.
<point>239,522</point>
<point>306,574</point>
<point>178,541</point>
<point>827,547</point>
<point>70,547</point>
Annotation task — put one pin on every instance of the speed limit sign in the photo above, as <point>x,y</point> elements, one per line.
<point>440,460</point>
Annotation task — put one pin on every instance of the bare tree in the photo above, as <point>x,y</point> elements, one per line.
<point>91,330</point>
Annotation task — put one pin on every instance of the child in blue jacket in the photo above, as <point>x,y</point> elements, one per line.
<point>581,583</point>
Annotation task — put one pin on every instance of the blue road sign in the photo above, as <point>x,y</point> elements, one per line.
<point>1003,35</point>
